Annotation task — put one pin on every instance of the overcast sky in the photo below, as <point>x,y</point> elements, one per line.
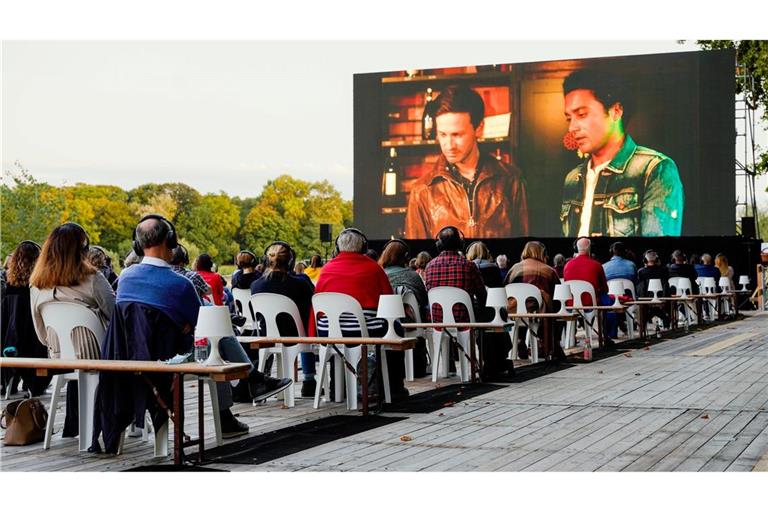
<point>217,115</point>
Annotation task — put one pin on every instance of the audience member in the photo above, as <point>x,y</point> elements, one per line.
<point>533,269</point>
<point>314,268</point>
<point>354,273</point>
<point>103,263</point>
<point>558,263</point>
<point>619,266</point>
<point>478,253</point>
<point>680,268</point>
<point>721,262</point>
<point>246,272</point>
<point>203,265</point>
<point>278,279</point>
<point>705,268</point>
<point>583,267</point>
<point>503,263</point>
<point>17,330</point>
<point>422,259</point>
<point>180,258</point>
<point>450,268</point>
<point>653,269</point>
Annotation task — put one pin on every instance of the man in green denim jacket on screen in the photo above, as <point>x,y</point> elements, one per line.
<point>621,189</point>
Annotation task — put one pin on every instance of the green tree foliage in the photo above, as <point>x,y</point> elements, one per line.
<point>30,209</point>
<point>752,57</point>
<point>291,210</point>
<point>211,225</point>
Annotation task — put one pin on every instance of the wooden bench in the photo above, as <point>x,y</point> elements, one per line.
<point>227,372</point>
<point>257,342</point>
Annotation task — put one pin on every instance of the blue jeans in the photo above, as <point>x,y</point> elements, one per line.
<point>308,365</point>
<point>611,319</point>
<point>230,350</point>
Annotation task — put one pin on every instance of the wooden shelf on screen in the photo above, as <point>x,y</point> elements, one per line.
<point>422,142</point>
<point>387,210</point>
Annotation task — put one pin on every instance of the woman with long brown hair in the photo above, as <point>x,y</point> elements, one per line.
<point>17,330</point>
<point>63,273</point>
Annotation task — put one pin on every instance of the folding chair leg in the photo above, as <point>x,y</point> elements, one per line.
<point>58,383</point>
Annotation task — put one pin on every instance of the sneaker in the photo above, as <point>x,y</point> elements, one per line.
<point>231,426</point>
<point>267,387</point>
<point>308,388</point>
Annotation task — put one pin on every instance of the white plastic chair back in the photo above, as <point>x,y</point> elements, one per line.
<point>578,288</point>
<point>242,298</point>
<point>673,284</point>
<point>333,305</point>
<point>683,286</point>
<point>708,284</point>
<point>269,305</point>
<point>521,292</point>
<point>409,299</point>
<point>446,297</point>
<point>63,318</point>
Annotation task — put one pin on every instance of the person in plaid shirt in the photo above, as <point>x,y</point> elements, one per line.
<point>450,268</point>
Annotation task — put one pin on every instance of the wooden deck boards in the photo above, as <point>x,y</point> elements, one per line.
<point>695,403</point>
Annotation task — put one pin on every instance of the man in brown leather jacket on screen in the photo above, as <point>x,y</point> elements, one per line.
<point>477,193</point>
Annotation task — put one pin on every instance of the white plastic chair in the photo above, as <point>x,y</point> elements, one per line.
<point>683,287</point>
<point>333,305</point>
<point>269,305</point>
<point>579,287</point>
<point>521,292</point>
<point>446,297</point>
<point>63,318</point>
<point>242,298</point>
<point>409,299</point>
<point>708,285</point>
<point>631,312</point>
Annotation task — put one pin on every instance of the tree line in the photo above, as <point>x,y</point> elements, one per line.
<point>287,209</point>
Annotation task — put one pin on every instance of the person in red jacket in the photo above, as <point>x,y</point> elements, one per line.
<point>203,265</point>
<point>353,273</point>
<point>584,268</point>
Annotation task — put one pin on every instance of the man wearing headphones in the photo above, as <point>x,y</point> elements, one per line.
<point>621,189</point>
<point>449,268</point>
<point>355,274</point>
<point>619,266</point>
<point>653,269</point>
<point>477,193</point>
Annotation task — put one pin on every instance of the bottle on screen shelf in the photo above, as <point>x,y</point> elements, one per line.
<point>389,181</point>
<point>428,117</point>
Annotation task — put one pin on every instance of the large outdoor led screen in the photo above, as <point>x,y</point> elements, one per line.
<point>620,146</point>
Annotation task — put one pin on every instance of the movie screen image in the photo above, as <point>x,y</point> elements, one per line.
<point>618,146</point>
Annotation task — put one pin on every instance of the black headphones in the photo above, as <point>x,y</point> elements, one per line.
<point>254,259</point>
<point>290,250</point>
<point>363,250</point>
<point>398,241</point>
<point>170,237</point>
<point>439,244</point>
<point>31,242</point>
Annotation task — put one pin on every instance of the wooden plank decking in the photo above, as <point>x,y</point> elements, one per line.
<point>695,403</point>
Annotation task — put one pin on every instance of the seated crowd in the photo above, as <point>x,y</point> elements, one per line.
<point>150,310</point>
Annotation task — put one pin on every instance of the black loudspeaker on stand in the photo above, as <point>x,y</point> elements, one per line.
<point>326,234</point>
<point>748,227</point>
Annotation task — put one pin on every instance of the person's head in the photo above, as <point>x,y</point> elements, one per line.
<point>706,259</point>
<point>203,263</point>
<point>478,251</point>
<point>595,108</point>
<point>63,260</point>
<point>394,254</point>
<point>678,257</point>
<point>132,258</point>
<point>299,268</point>
<point>558,261</point>
<point>155,237</point>
<point>651,258</point>
<point>21,262</point>
<point>351,240</point>
<point>179,256</point>
<point>449,239</point>
<point>279,258</point>
<point>97,256</point>
<point>583,246</point>
<point>535,250</point>
<point>422,259</point>
<point>721,262</point>
<point>459,113</point>
<point>371,253</point>
<point>502,261</point>
<point>246,260</point>
<point>618,249</point>
<point>412,264</point>
<point>316,261</point>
